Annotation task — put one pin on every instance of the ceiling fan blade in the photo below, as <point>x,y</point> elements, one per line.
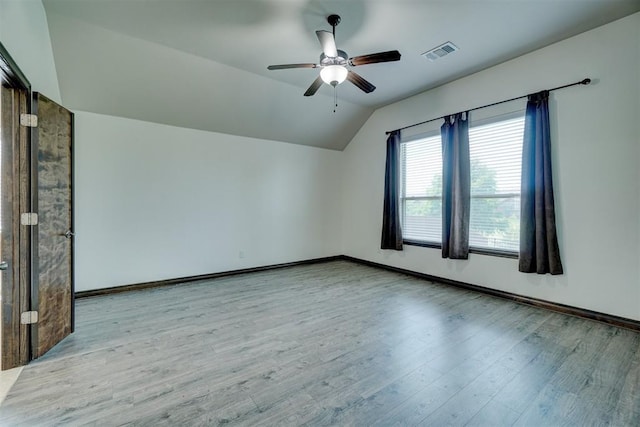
<point>286,66</point>
<point>328,43</point>
<point>314,87</point>
<point>361,83</point>
<point>391,55</point>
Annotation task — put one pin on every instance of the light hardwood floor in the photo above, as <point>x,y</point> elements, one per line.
<point>328,344</point>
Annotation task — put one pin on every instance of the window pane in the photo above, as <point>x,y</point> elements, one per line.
<point>423,220</point>
<point>495,223</point>
<point>422,167</point>
<point>496,152</point>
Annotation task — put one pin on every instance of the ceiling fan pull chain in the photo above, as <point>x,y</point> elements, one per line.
<point>335,97</point>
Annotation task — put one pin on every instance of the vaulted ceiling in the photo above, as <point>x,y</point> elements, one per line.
<point>203,63</point>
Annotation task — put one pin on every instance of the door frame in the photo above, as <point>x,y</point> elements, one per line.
<point>16,348</point>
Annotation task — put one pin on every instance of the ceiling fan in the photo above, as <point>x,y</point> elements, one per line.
<point>334,63</point>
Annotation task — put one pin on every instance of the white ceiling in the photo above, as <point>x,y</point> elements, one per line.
<point>203,63</point>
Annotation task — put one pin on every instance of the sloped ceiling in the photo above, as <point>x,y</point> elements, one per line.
<point>202,64</point>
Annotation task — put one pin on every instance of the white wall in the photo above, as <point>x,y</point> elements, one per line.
<point>156,202</point>
<point>25,34</point>
<point>596,155</point>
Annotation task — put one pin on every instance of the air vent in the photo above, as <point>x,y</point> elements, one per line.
<point>440,51</point>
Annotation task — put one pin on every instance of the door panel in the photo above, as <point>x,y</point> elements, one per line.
<point>53,288</point>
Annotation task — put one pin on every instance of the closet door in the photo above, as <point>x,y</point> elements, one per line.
<point>53,288</point>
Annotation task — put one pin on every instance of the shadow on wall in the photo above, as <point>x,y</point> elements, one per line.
<point>315,13</point>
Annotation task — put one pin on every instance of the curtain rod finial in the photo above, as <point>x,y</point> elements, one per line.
<point>586,81</point>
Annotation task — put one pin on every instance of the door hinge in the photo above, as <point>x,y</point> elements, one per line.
<point>29,218</point>
<point>29,317</point>
<point>29,120</point>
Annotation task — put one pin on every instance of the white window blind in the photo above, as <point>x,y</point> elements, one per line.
<point>421,194</point>
<point>495,151</point>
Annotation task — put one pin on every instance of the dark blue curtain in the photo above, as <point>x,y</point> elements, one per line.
<point>391,229</point>
<point>456,186</point>
<point>539,252</point>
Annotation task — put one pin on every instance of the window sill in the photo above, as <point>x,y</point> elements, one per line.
<point>479,251</point>
<point>422,244</point>
<point>494,252</point>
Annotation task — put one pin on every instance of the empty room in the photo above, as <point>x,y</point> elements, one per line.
<point>308,212</point>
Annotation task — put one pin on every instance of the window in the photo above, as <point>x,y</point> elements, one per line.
<point>495,149</point>
<point>421,194</point>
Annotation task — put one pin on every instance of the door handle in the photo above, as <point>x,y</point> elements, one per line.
<point>69,234</point>
<point>4,265</point>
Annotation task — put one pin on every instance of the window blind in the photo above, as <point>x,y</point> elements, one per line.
<point>422,189</point>
<point>495,152</point>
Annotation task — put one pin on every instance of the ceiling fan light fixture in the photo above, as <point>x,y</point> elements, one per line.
<point>333,74</point>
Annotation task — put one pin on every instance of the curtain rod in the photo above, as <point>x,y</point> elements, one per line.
<point>581,82</point>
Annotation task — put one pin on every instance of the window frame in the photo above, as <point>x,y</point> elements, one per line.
<point>512,114</point>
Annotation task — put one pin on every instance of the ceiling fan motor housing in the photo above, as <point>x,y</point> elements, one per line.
<point>341,59</point>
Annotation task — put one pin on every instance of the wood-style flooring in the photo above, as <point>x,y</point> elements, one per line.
<point>328,344</point>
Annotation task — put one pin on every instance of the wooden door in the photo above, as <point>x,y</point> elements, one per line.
<point>14,239</point>
<point>53,288</point>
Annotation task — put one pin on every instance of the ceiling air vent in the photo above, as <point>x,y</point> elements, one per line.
<point>440,51</point>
